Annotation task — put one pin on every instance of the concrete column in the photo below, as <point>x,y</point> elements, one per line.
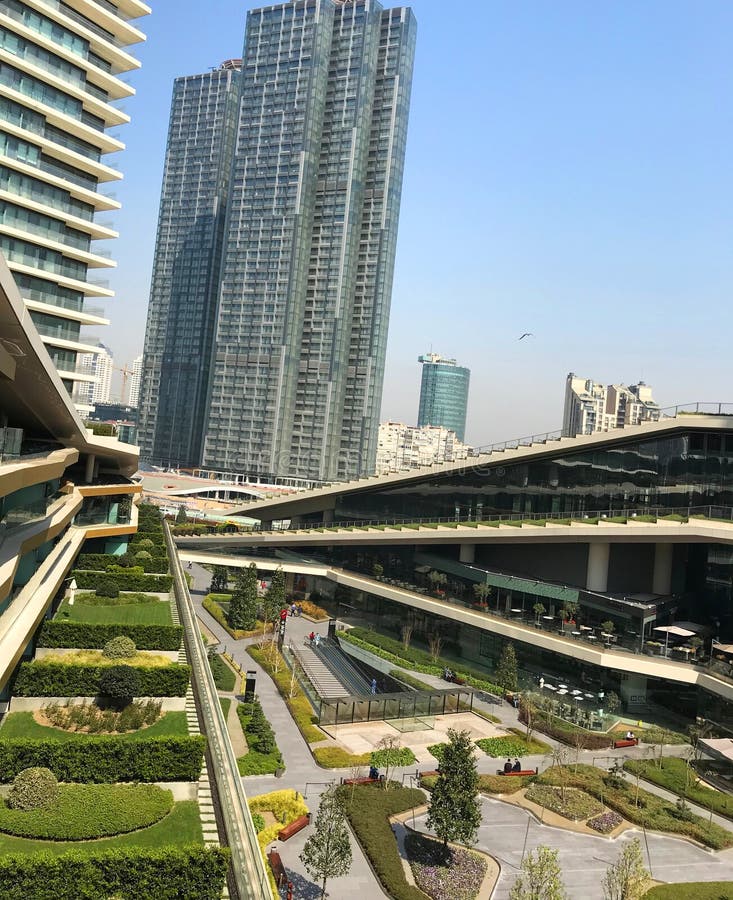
<point>597,575</point>
<point>467,553</point>
<point>89,472</point>
<point>328,517</point>
<point>662,581</point>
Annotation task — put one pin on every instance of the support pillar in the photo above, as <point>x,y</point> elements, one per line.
<point>597,574</point>
<point>328,517</point>
<point>89,471</point>
<point>467,553</point>
<point>662,580</point>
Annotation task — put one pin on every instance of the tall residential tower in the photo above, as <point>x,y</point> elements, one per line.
<point>59,82</point>
<point>591,407</point>
<point>292,376</point>
<point>443,394</point>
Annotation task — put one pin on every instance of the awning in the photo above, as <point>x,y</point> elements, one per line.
<point>723,648</point>
<point>423,570</point>
<point>676,630</point>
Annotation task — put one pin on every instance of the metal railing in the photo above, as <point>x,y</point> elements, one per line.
<point>247,868</point>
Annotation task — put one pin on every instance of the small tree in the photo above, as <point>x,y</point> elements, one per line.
<point>274,599</point>
<point>120,684</point>
<point>696,643</point>
<point>435,645</point>
<point>539,610</point>
<point>613,702</point>
<point>569,611</point>
<point>181,516</point>
<point>559,760</point>
<point>608,627</point>
<point>482,591</point>
<point>389,750</point>
<point>377,570</point>
<point>506,670</point>
<point>219,580</point>
<point>327,852</point>
<point>627,878</point>
<point>455,810</point>
<point>539,878</point>
<point>243,605</point>
<point>406,634</point>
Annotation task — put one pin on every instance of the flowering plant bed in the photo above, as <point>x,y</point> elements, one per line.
<point>575,805</point>
<point>457,875</point>
<point>605,823</point>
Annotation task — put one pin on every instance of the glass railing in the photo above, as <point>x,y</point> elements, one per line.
<point>83,21</point>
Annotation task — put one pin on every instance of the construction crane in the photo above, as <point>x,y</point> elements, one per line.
<point>126,373</point>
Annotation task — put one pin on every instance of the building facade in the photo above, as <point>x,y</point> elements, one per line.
<point>133,392</point>
<point>59,85</point>
<point>591,407</point>
<point>182,311</point>
<point>443,394</point>
<point>291,303</point>
<point>401,447</point>
<point>99,367</point>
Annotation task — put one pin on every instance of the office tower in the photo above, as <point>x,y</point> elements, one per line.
<point>591,407</point>
<point>304,287</point>
<point>98,368</point>
<point>443,393</point>
<point>59,68</point>
<point>401,447</point>
<point>182,311</point>
<point>133,396</point>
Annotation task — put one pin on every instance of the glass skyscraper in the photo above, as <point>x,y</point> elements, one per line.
<point>443,394</point>
<point>294,370</point>
<point>59,80</point>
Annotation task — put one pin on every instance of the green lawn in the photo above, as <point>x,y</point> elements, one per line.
<point>158,613</point>
<point>693,890</point>
<point>23,725</point>
<point>181,826</point>
<point>225,704</point>
<point>675,776</point>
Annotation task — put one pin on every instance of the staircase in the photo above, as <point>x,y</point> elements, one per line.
<point>342,667</point>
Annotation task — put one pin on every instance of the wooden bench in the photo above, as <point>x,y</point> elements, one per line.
<point>521,772</point>
<point>294,827</point>
<point>365,780</point>
<point>278,869</point>
<point>433,773</point>
<point>626,742</point>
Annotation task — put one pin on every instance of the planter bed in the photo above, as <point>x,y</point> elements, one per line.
<point>672,776</point>
<point>25,725</point>
<point>576,806</point>
<point>457,878</point>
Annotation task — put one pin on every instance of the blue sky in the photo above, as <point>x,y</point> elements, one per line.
<point>568,173</point>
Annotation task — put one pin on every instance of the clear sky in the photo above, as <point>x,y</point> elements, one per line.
<point>568,173</point>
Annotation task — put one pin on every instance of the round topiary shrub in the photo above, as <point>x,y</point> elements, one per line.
<point>143,555</point>
<point>35,788</point>
<point>120,684</point>
<point>121,647</point>
<point>107,587</point>
<point>145,544</point>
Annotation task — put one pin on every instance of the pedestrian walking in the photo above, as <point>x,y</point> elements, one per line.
<point>374,685</point>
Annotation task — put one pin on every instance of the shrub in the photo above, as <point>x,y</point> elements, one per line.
<point>264,756</point>
<point>145,544</point>
<point>194,872</point>
<point>258,822</point>
<point>106,587</point>
<point>122,581</point>
<point>107,758</point>
<point>673,774</point>
<point>121,647</point>
<point>224,678</point>
<point>605,823</point>
<point>50,679</point>
<point>368,808</point>
<point>309,608</point>
<point>34,788</point>
<point>515,745</point>
<point>89,811</point>
<point>575,805</point>
<point>120,684</point>
<point>336,758</point>
<point>499,784</point>
<point>565,731</point>
<point>92,636</point>
<point>214,609</point>
<point>403,756</point>
<point>457,874</point>
<point>142,555</point>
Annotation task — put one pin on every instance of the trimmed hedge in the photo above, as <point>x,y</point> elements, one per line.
<point>50,679</point>
<point>107,759</point>
<point>157,564</point>
<point>194,872</point>
<point>122,581</point>
<point>368,808</point>
<point>85,636</point>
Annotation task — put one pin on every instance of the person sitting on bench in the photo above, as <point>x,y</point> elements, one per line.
<point>374,772</point>
<point>629,735</point>
<point>507,766</point>
<point>517,767</point>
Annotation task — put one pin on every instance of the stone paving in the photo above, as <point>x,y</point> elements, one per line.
<point>583,857</point>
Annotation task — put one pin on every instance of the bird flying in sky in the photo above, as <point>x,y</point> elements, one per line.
<point>526,334</point>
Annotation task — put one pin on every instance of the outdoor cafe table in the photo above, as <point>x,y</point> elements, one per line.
<point>576,633</point>
<point>592,637</point>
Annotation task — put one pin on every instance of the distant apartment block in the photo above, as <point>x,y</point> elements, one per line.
<point>60,68</point>
<point>401,447</point>
<point>443,394</point>
<point>133,396</point>
<point>272,280</point>
<point>591,407</point>
<point>95,384</point>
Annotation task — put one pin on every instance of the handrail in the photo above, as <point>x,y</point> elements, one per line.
<point>248,868</point>
<point>709,511</point>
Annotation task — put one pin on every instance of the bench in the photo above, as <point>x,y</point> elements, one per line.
<point>626,742</point>
<point>278,869</point>
<point>294,827</point>
<point>433,773</point>
<point>365,780</point>
<point>521,772</point>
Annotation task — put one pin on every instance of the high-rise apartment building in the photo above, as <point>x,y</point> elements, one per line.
<point>443,393</point>
<point>401,447</point>
<point>591,407</point>
<point>98,367</point>
<point>59,68</point>
<point>133,395</point>
<point>287,311</point>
